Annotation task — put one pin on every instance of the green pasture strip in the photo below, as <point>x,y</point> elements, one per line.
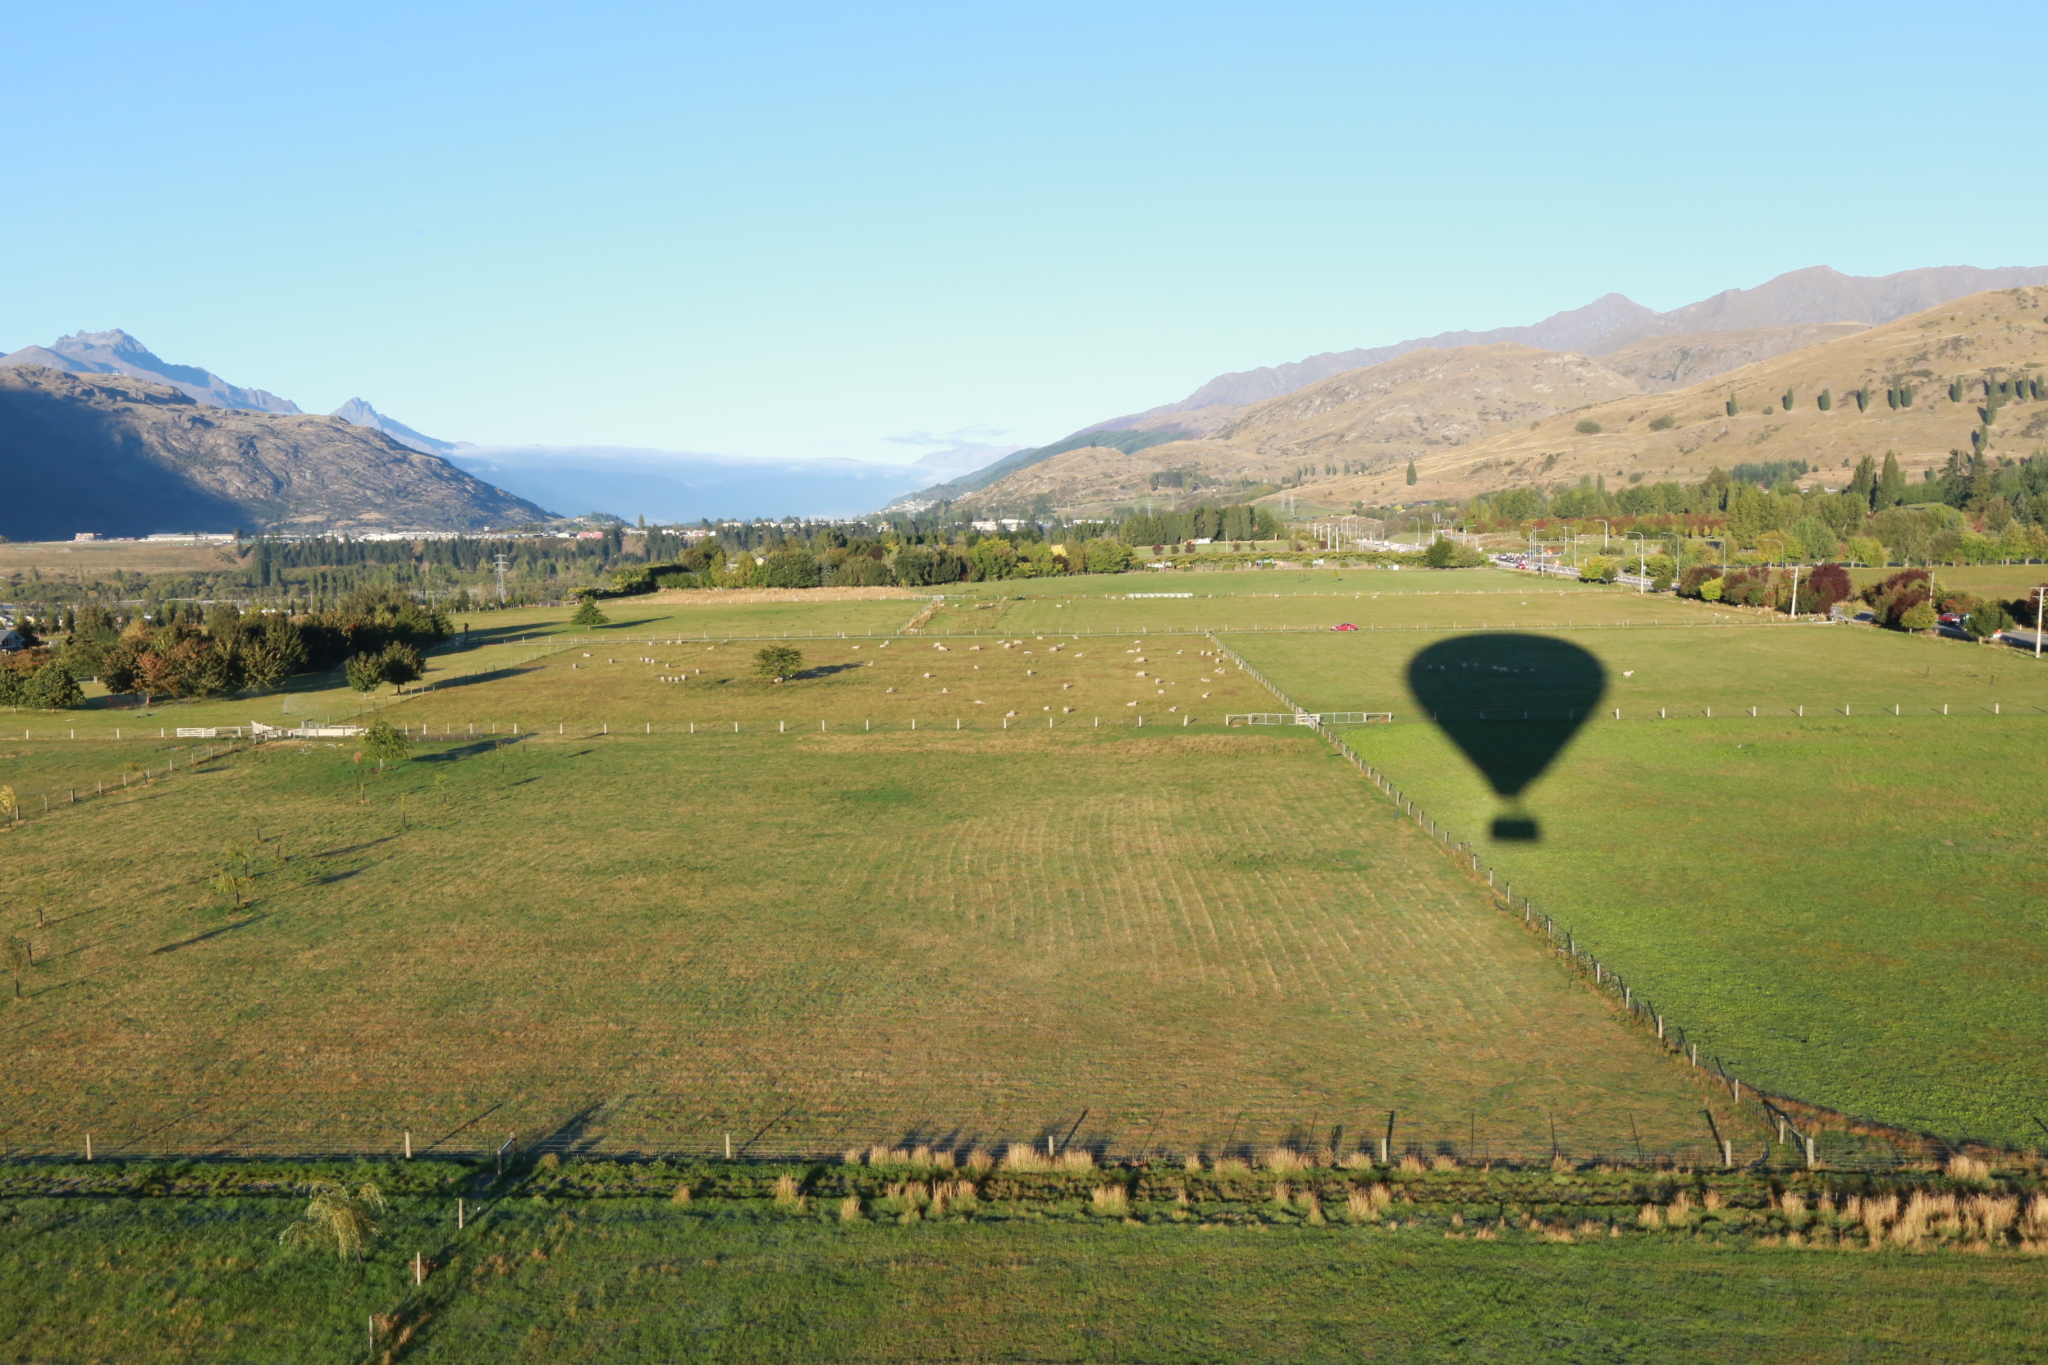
<point>1844,909</point>
<point>543,1272</point>
<point>1984,580</point>
<point>1135,940</point>
<point>1221,583</point>
<point>1839,672</point>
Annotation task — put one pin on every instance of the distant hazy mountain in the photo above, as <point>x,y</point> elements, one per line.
<point>116,352</point>
<point>666,485</point>
<point>1813,295</point>
<point>363,415</point>
<point>122,456</point>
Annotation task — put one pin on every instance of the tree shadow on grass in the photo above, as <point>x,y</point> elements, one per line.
<point>823,671</point>
<point>475,749</point>
<point>472,679</point>
<point>216,933</point>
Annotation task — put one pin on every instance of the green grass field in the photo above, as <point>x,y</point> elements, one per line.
<point>1843,907</point>
<point>641,1280</point>
<point>799,939</point>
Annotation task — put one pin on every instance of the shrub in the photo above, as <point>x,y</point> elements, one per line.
<point>1441,554</point>
<point>1598,569</point>
<point>1824,587</point>
<point>1692,581</point>
<point>1588,427</point>
<point>1664,423</point>
<point>778,662</point>
<point>1919,616</point>
<point>1988,619</point>
<point>1894,599</point>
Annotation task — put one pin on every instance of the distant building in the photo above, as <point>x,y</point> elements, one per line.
<point>11,642</point>
<point>86,535</point>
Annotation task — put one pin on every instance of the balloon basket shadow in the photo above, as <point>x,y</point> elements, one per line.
<point>1516,829</point>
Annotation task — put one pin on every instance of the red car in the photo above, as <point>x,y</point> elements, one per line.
<point>1346,626</point>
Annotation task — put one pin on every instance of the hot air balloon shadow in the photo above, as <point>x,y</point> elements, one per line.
<point>1511,703</point>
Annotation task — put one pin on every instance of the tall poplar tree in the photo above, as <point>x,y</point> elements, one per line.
<point>1891,484</point>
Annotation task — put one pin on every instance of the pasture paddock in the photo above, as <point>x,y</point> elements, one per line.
<point>803,940</point>
<point>1844,905</point>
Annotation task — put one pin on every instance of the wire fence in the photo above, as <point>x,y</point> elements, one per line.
<point>643,1126</point>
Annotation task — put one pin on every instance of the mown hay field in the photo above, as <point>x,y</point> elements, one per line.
<point>651,941</point>
<point>1845,907</point>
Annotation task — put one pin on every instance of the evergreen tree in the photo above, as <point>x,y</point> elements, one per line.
<point>1955,391</point>
<point>1411,471</point>
<point>1891,484</point>
<point>1826,400</point>
<point>1863,487</point>
<point>1891,397</point>
<point>1905,395</point>
<point>589,615</point>
<point>1731,405</point>
<point>1863,398</point>
<point>1786,401</point>
<point>365,672</point>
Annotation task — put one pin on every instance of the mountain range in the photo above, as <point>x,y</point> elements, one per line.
<point>1433,425</point>
<point>1653,351</point>
<point>662,484</point>
<point>108,453</point>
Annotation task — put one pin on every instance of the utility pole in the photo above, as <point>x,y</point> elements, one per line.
<point>501,560</point>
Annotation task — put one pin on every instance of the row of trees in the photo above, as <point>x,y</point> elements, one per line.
<point>376,633</point>
<point>1994,388</point>
<point>1974,509</point>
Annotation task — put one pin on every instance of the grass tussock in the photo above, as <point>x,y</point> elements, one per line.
<point>681,1194</point>
<point>1113,1199</point>
<point>1283,1159</point>
<point>1366,1204</point>
<point>1356,1161</point>
<point>788,1194</point>
<point>1192,1163</point>
<point>1230,1165</point>
<point>1412,1164</point>
<point>1968,1169</point>
<point>1018,1157</point>
<point>849,1209</point>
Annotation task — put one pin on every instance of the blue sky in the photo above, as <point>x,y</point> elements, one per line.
<point>801,230</point>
